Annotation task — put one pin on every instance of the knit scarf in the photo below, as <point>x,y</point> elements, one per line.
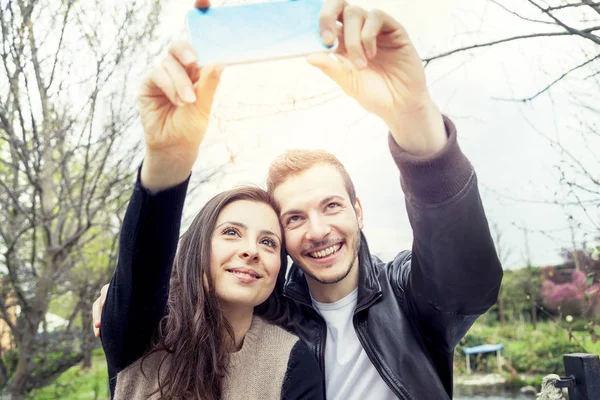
<point>256,371</point>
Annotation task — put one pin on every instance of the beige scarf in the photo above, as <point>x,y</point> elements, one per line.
<point>256,371</point>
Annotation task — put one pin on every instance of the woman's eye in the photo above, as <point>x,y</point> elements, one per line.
<point>269,242</point>
<point>230,232</point>
<point>333,205</point>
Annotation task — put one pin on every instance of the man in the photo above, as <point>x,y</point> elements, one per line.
<point>383,330</point>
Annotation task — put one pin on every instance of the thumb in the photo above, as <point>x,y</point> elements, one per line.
<point>339,69</point>
<point>205,88</point>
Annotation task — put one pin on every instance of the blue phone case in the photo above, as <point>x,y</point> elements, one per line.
<point>256,32</point>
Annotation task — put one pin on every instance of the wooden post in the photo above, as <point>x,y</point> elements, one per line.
<point>499,359</point>
<point>468,364</point>
<point>585,368</point>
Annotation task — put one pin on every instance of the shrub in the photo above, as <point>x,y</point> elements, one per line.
<point>573,298</point>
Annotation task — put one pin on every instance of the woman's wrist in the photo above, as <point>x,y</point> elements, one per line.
<point>161,171</point>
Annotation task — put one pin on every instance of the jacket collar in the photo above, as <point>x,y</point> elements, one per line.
<point>369,288</point>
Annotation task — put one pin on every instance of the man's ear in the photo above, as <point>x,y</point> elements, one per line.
<point>359,213</point>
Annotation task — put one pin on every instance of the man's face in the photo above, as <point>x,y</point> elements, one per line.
<point>321,225</point>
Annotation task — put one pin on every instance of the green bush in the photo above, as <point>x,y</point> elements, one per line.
<point>580,325</point>
<point>529,351</point>
<point>77,383</point>
<point>10,359</point>
<point>521,381</point>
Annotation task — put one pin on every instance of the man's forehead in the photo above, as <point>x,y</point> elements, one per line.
<point>310,187</point>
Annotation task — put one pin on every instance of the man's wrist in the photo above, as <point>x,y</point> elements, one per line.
<point>421,133</point>
<point>437,178</point>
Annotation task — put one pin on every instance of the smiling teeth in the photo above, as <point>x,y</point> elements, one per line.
<point>326,252</point>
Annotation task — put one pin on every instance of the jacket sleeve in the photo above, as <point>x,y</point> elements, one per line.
<point>303,379</point>
<point>139,288</point>
<point>453,274</point>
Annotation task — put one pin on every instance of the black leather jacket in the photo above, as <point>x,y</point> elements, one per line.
<point>411,312</point>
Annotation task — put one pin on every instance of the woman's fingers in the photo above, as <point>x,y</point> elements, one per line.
<point>180,80</point>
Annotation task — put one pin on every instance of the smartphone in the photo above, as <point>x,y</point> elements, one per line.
<point>239,34</point>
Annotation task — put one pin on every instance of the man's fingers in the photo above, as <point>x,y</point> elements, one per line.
<point>341,47</point>
<point>371,29</point>
<point>97,309</point>
<point>202,4</point>
<point>360,29</point>
<point>96,312</point>
<point>354,19</point>
<point>103,293</point>
<point>336,67</point>
<point>330,13</point>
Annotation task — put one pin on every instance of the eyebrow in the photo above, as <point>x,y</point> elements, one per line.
<point>329,199</point>
<point>322,203</point>
<point>245,227</point>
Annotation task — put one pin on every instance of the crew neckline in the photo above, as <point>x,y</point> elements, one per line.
<point>341,303</point>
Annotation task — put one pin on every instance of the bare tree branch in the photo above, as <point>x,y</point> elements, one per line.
<point>519,15</point>
<point>568,28</point>
<point>554,82</point>
<point>427,60</point>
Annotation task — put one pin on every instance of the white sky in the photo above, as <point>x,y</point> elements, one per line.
<point>511,159</point>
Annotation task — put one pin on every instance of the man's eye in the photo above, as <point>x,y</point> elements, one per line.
<point>293,219</point>
<point>333,205</point>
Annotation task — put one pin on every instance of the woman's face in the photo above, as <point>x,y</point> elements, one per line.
<point>245,253</point>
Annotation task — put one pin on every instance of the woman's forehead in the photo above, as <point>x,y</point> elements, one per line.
<point>253,214</point>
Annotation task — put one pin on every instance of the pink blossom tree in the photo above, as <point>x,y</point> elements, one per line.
<point>576,298</point>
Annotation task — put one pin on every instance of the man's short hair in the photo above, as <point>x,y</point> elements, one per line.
<point>294,162</point>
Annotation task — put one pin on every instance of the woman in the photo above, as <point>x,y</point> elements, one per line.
<point>221,292</point>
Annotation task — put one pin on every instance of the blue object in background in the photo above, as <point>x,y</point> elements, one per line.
<point>484,348</point>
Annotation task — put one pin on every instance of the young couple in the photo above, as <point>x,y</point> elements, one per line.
<point>343,324</point>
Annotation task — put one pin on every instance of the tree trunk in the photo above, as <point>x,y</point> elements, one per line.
<point>3,371</point>
<point>26,348</point>
<point>88,338</point>
<point>28,344</point>
<point>501,309</point>
<point>533,314</point>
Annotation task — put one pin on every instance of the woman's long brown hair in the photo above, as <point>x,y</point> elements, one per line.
<point>194,334</point>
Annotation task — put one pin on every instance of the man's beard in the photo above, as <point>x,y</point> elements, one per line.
<point>346,272</point>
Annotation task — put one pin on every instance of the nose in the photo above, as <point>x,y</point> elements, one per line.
<point>318,229</point>
<point>249,253</point>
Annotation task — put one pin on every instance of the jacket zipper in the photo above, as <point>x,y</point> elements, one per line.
<point>323,344</point>
<point>323,333</point>
<point>400,391</point>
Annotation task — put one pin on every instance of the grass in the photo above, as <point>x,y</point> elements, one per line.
<point>530,352</point>
<point>78,384</point>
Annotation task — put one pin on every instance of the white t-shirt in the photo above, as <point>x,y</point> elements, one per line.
<point>349,374</point>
